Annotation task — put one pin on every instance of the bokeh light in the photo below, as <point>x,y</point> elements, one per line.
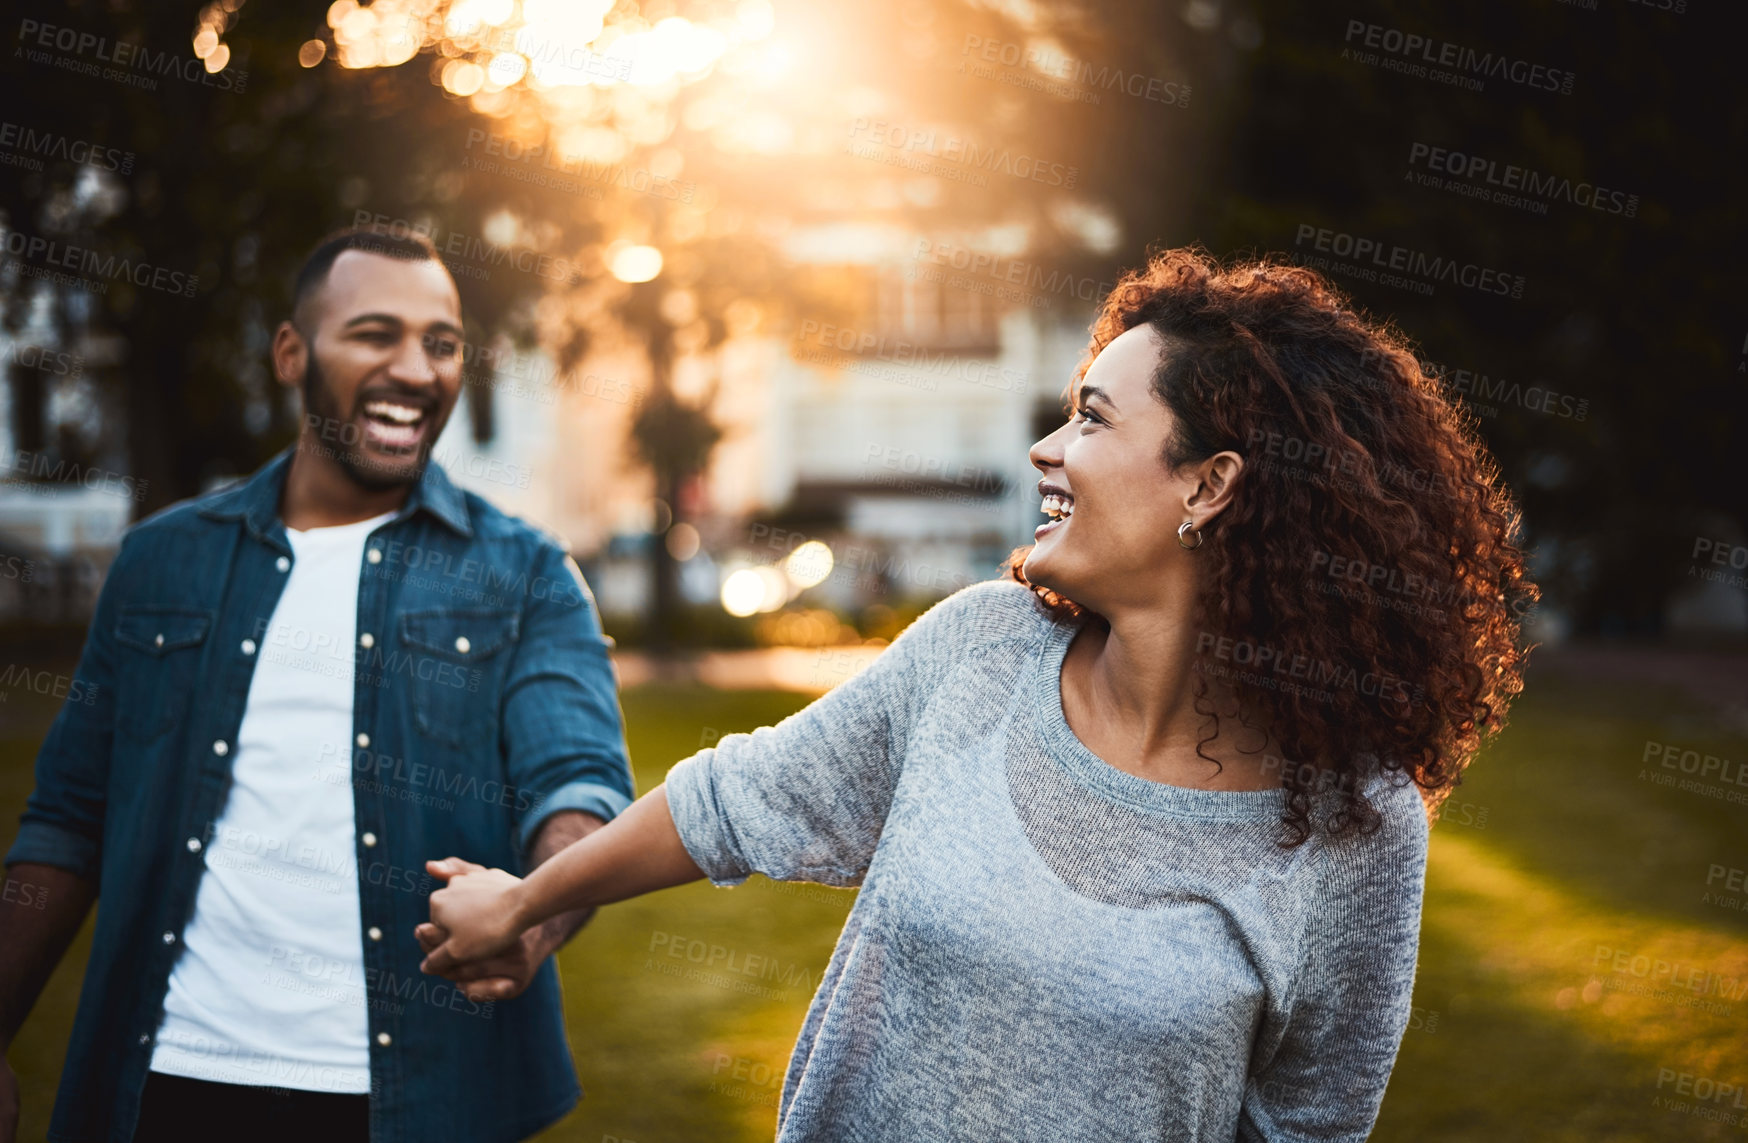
<point>743,592</point>
<point>634,263</point>
<point>808,564</point>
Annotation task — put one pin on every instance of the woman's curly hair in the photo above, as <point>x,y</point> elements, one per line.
<point>1366,585</point>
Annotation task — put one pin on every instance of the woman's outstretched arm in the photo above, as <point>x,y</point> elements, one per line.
<point>805,800</point>
<point>484,913</point>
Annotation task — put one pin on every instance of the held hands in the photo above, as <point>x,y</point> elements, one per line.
<point>473,937</point>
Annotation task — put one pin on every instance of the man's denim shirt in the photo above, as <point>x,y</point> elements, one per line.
<point>484,701</point>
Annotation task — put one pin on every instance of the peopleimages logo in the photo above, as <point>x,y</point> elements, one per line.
<point>1475,388</point>
<point>80,260</point>
<point>878,140</point>
<point>56,362</point>
<point>1509,184</point>
<point>1425,57</point>
<point>856,344</point>
<point>125,59</point>
<point>31,146</point>
<point>1081,79</point>
<point>1010,279</point>
<point>1370,255</point>
<point>519,159</point>
<point>56,472</point>
<point>469,256</point>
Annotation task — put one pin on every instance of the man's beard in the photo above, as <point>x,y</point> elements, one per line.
<point>371,475</point>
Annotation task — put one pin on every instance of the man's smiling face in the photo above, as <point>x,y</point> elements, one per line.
<point>381,364</point>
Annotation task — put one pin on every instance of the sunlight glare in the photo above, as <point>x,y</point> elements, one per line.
<point>631,263</point>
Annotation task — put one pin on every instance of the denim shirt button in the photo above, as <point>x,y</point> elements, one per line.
<point>374,933</point>
<point>282,564</point>
<point>367,640</point>
<point>384,1039</point>
<point>169,938</point>
<point>221,748</point>
<point>194,845</point>
<point>363,740</point>
<point>374,555</point>
<point>248,646</point>
<point>369,839</point>
<point>462,645</point>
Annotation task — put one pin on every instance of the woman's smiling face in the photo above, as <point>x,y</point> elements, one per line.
<point>1115,505</point>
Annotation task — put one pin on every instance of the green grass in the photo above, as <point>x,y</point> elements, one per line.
<point>1520,1034</point>
<point>1538,1038</point>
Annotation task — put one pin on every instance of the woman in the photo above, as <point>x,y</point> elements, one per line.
<point>1142,834</point>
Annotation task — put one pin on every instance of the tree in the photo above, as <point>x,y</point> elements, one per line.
<point>541,147</point>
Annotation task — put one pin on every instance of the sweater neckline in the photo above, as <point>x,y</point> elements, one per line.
<point>1118,785</point>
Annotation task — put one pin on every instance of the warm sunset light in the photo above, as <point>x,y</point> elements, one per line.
<point>550,45</point>
<point>1159,556</point>
<point>635,263</point>
<point>751,590</point>
<point>808,564</point>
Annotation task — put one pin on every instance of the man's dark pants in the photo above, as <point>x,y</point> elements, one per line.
<point>174,1109</point>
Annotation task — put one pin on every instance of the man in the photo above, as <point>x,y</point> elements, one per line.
<point>299,688</point>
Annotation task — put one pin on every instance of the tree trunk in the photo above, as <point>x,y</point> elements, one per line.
<point>29,407</point>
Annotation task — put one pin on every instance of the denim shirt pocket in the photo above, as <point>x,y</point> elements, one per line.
<point>457,657</point>
<point>159,654</point>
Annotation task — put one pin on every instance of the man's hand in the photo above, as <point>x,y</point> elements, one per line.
<point>499,977</point>
<point>509,973</point>
<point>492,978</point>
<point>476,911</point>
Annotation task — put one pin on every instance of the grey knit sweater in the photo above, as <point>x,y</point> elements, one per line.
<point>1046,947</point>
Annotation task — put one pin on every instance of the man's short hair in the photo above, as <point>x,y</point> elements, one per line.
<point>407,245</point>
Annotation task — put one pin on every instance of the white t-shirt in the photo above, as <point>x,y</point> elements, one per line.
<point>269,988</point>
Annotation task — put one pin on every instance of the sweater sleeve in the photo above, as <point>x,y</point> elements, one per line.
<point>807,799</point>
<point>1351,1003</point>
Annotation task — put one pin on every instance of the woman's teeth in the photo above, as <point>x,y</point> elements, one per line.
<point>1057,507</point>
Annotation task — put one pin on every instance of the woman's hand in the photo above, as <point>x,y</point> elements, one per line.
<point>478,912</point>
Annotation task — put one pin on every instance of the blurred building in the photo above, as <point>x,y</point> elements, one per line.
<point>898,439</point>
<point>64,500</point>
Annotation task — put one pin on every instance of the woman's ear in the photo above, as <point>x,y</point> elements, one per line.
<point>1217,484</point>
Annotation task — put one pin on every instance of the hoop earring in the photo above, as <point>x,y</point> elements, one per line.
<point>1181,529</point>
